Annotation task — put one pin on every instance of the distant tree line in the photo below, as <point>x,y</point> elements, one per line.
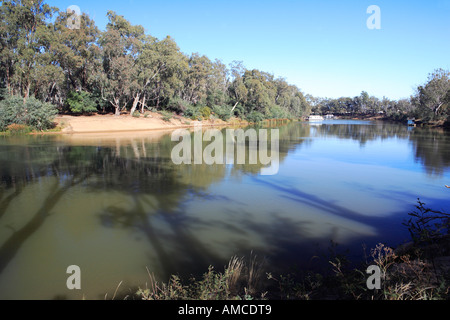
<point>430,102</point>
<point>123,69</point>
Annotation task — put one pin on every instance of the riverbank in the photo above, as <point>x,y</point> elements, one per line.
<point>409,272</point>
<point>152,121</point>
<point>417,122</point>
<point>67,124</point>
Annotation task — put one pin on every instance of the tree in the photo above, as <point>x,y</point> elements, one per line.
<point>237,88</point>
<point>120,47</point>
<point>433,98</point>
<point>76,52</point>
<point>196,82</point>
<point>217,84</point>
<point>160,71</point>
<point>22,23</point>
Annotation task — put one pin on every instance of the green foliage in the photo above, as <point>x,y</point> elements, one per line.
<point>255,117</point>
<point>193,112</point>
<point>33,113</point>
<point>166,116</point>
<point>432,100</point>
<point>39,115</point>
<point>239,111</point>
<point>124,67</point>
<point>81,102</point>
<point>18,129</point>
<point>205,112</point>
<point>178,105</point>
<point>277,112</point>
<point>136,114</point>
<point>3,93</point>
<point>223,112</point>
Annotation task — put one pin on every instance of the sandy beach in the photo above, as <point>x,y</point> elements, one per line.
<point>127,123</point>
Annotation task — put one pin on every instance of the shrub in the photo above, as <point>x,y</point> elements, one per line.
<point>40,115</point>
<point>255,117</point>
<point>222,112</point>
<point>81,102</point>
<point>192,112</point>
<point>34,113</point>
<point>3,93</point>
<point>277,112</point>
<point>237,282</point>
<point>178,105</point>
<point>166,116</point>
<point>239,111</point>
<point>17,129</point>
<point>136,114</point>
<point>205,112</point>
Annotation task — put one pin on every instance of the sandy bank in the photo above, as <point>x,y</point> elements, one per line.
<point>111,123</point>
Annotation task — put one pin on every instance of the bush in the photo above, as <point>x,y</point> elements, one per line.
<point>205,112</point>
<point>277,112</point>
<point>136,114</point>
<point>3,93</point>
<point>192,112</point>
<point>81,102</point>
<point>222,112</point>
<point>17,129</point>
<point>178,105</point>
<point>40,115</point>
<point>255,117</point>
<point>33,113</point>
<point>239,111</point>
<point>166,116</point>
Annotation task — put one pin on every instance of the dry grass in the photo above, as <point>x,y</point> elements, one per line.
<point>238,281</point>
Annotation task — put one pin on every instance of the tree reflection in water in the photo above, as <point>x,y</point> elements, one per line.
<point>139,167</point>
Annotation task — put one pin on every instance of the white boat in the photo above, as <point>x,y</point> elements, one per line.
<point>314,118</point>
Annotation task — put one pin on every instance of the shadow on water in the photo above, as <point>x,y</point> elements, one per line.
<point>9,249</point>
<point>158,189</point>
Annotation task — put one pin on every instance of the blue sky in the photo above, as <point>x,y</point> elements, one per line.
<point>323,46</point>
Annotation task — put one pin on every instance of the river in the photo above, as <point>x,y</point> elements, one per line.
<point>118,207</point>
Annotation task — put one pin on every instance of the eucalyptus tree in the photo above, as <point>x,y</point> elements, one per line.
<point>196,81</point>
<point>76,50</point>
<point>160,70</point>
<point>217,85</point>
<point>22,21</point>
<point>261,91</point>
<point>121,44</point>
<point>237,90</point>
<point>433,98</point>
<point>291,99</point>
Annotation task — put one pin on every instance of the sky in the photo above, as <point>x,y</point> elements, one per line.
<point>324,47</point>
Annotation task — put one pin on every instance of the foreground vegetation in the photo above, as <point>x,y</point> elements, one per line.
<point>419,270</point>
<point>124,70</point>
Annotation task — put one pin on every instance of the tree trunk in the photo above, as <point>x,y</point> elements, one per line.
<point>234,107</point>
<point>135,104</point>
<point>143,104</point>
<point>437,109</point>
<point>116,105</point>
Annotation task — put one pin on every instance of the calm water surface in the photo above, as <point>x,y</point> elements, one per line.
<point>116,205</point>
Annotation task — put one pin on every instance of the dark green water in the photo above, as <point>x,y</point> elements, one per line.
<point>116,205</point>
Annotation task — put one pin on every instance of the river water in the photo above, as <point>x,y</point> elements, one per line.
<point>118,207</point>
